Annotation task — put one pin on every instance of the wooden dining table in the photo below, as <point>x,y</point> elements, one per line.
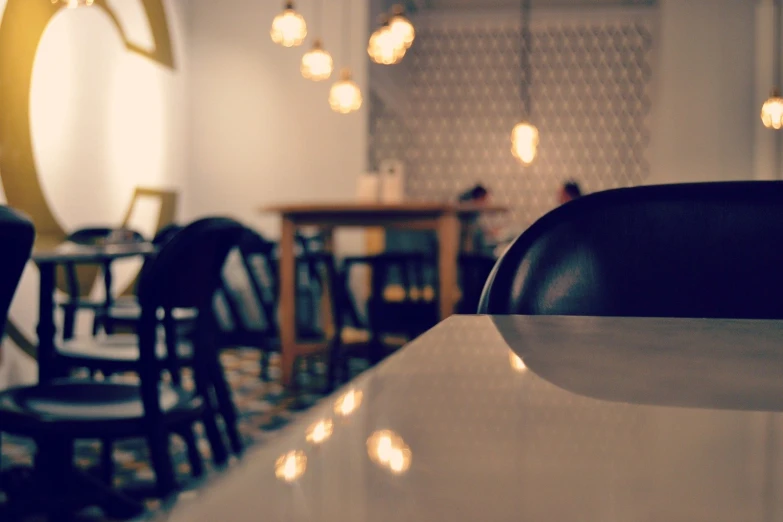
<point>445,219</point>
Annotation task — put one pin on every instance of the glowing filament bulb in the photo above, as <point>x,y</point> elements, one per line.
<point>772,111</point>
<point>345,95</point>
<point>402,28</point>
<point>317,63</point>
<point>288,28</point>
<point>524,142</point>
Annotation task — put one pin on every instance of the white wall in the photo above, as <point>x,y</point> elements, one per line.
<point>103,120</point>
<point>704,116</point>
<point>260,133</point>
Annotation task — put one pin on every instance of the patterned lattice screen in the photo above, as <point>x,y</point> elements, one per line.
<point>590,101</point>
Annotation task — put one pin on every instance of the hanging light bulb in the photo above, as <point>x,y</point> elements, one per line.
<point>345,95</point>
<point>317,63</point>
<point>401,27</point>
<point>384,48</point>
<point>524,136</point>
<point>772,111</point>
<point>288,28</point>
<point>73,4</point>
<point>524,142</point>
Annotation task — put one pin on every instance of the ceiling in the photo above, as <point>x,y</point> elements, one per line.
<point>506,4</point>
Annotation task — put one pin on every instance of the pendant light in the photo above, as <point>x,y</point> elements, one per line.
<point>524,136</point>
<point>772,110</point>
<point>384,47</point>
<point>73,4</point>
<point>317,63</point>
<point>401,27</point>
<point>345,96</point>
<point>288,28</point>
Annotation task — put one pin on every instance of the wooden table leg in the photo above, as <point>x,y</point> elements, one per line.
<point>287,301</point>
<point>448,238</point>
<point>327,313</point>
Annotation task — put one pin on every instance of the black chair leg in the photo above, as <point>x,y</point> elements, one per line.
<point>194,456</point>
<point>226,408</point>
<point>172,342</point>
<point>335,360</point>
<point>96,324</point>
<point>160,457</point>
<point>60,490</point>
<point>219,452</point>
<point>107,462</point>
<point>264,362</point>
<point>69,322</point>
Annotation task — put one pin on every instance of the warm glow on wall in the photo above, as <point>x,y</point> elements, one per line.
<point>288,28</point>
<point>72,4</point>
<point>345,96</point>
<point>317,63</point>
<point>524,142</point>
<point>772,111</point>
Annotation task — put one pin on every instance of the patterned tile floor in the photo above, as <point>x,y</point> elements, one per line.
<point>262,406</point>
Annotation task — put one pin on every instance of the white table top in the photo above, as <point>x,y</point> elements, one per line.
<point>632,420</point>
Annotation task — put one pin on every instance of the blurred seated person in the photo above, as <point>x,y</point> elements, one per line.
<point>477,195</point>
<point>569,192</point>
<point>481,237</point>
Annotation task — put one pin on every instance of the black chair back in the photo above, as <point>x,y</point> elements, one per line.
<point>258,260</point>
<point>165,234</point>
<point>16,243</point>
<point>709,250</point>
<point>185,273</point>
